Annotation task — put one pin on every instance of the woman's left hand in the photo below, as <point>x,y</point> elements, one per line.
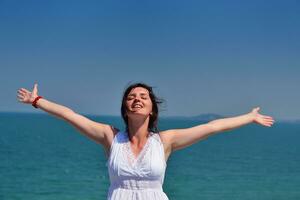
<point>261,119</point>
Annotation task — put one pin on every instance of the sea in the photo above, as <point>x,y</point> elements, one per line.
<point>45,158</point>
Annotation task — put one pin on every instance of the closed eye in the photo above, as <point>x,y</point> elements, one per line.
<point>144,96</point>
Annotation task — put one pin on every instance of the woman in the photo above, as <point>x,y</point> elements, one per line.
<point>137,156</point>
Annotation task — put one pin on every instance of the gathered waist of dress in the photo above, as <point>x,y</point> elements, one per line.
<point>132,184</point>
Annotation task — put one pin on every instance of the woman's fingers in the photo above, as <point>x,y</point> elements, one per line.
<point>20,96</point>
<point>265,120</point>
<point>23,95</point>
<point>271,122</point>
<point>268,123</point>
<point>268,118</point>
<point>24,90</point>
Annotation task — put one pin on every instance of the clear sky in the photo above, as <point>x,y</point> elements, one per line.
<point>222,57</point>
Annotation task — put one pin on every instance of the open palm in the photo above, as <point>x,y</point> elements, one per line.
<point>262,119</point>
<point>26,96</point>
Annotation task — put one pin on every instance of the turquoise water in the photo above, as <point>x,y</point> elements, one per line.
<point>44,158</point>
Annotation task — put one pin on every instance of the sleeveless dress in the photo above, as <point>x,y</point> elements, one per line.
<point>136,178</point>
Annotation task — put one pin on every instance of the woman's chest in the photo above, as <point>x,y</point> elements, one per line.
<point>149,163</point>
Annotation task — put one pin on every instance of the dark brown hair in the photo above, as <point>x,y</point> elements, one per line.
<point>152,126</point>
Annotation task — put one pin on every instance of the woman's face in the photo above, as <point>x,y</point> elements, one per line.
<point>138,102</point>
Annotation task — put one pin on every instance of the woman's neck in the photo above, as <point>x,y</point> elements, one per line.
<point>138,130</point>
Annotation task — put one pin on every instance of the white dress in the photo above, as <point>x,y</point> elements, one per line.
<point>138,178</point>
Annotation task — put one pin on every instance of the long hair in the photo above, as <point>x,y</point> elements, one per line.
<point>153,121</point>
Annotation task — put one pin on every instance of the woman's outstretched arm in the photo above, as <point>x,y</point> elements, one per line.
<point>101,133</point>
<point>180,138</point>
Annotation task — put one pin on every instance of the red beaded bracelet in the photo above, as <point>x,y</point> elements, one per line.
<point>35,101</point>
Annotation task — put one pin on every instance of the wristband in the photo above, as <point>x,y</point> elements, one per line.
<point>35,101</point>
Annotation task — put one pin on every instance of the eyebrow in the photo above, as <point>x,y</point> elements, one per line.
<point>134,94</point>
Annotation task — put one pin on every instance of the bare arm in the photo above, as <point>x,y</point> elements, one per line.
<point>180,138</point>
<point>101,133</point>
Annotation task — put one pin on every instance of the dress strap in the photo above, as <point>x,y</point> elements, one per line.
<point>114,141</point>
<point>159,141</point>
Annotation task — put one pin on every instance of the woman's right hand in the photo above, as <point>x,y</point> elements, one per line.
<point>101,133</point>
<point>26,96</point>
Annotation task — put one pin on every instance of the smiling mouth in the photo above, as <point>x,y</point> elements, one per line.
<point>137,106</point>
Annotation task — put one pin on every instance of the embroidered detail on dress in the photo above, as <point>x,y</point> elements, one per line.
<point>132,159</point>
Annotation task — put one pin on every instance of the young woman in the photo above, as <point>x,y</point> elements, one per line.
<point>137,156</point>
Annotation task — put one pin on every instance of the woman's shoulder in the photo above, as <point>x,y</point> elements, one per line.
<point>111,134</point>
<point>116,135</point>
<point>166,141</point>
<point>165,135</point>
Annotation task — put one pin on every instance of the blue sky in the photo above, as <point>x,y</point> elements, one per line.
<point>223,57</point>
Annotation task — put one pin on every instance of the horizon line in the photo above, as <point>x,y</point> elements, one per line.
<point>167,116</point>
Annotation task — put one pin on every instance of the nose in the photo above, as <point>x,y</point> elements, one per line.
<point>137,99</point>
